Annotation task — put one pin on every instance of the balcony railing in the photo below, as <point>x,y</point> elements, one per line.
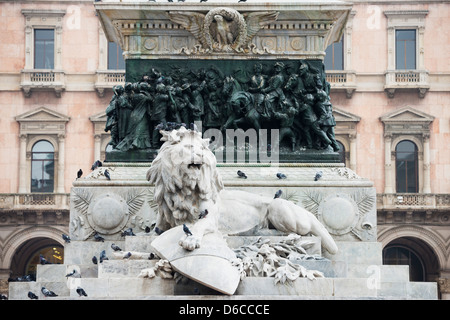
<point>413,201</point>
<point>342,80</point>
<point>34,201</point>
<point>406,79</point>
<point>107,79</point>
<point>42,79</point>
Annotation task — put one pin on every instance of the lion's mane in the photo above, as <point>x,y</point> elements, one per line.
<point>184,174</point>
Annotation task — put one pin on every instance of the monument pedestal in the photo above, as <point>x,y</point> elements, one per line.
<point>343,202</point>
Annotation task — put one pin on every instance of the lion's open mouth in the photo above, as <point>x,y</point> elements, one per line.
<point>194,166</point>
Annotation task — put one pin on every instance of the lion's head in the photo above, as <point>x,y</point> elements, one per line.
<point>184,173</point>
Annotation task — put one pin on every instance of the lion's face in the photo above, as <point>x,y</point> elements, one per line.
<point>184,174</point>
<point>190,154</point>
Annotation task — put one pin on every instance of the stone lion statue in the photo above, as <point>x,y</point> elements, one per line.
<point>187,182</point>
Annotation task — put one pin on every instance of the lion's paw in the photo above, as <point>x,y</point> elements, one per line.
<point>190,242</point>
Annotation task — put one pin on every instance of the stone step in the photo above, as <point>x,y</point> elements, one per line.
<point>319,288</point>
<point>357,252</point>
<point>388,273</point>
<point>123,268</point>
<point>125,287</point>
<point>58,272</point>
<point>81,252</point>
<point>19,290</point>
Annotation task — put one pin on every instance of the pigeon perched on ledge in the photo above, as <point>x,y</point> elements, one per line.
<point>96,165</point>
<point>281,175</point>
<point>43,260</point>
<point>107,175</point>
<point>203,214</point>
<point>66,238</point>
<point>32,296</point>
<point>278,194</point>
<point>128,232</point>
<point>318,175</point>
<point>48,293</point>
<point>81,292</point>
<point>115,247</point>
<point>241,174</point>
<point>98,237</point>
<point>103,256</point>
<point>186,230</point>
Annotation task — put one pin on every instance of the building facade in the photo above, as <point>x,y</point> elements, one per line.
<point>390,89</point>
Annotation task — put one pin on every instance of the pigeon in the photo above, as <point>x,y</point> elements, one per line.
<point>318,175</point>
<point>281,175</point>
<point>26,278</point>
<point>203,214</point>
<point>107,175</point>
<point>127,255</point>
<point>128,232</point>
<point>98,237</point>
<point>43,260</point>
<point>32,296</point>
<point>94,259</point>
<point>79,174</point>
<point>241,174</point>
<point>48,293</point>
<point>115,247</point>
<point>193,126</point>
<point>160,126</point>
<point>103,256</point>
<point>278,194</point>
<point>71,273</point>
<point>66,238</point>
<point>81,292</point>
<point>96,165</point>
<point>186,230</point>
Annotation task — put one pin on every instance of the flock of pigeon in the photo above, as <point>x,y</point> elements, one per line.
<point>81,292</point>
<point>280,175</point>
<point>95,165</point>
<point>46,292</point>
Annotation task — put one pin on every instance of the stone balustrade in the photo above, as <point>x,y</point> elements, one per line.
<point>45,79</point>
<point>34,201</point>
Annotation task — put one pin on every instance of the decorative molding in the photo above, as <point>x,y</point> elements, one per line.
<point>192,31</point>
<point>428,236</point>
<point>406,79</point>
<point>46,79</point>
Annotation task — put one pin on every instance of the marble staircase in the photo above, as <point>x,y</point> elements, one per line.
<point>355,272</point>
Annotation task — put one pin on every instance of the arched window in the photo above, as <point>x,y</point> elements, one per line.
<point>42,167</point>
<point>406,164</point>
<point>401,255</point>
